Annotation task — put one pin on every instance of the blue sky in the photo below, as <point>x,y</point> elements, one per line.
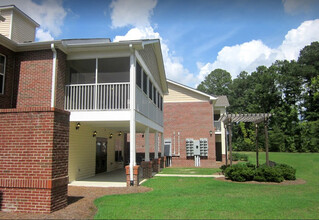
<point>197,36</point>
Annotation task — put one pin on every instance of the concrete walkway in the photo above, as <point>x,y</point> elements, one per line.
<point>115,178</point>
<point>185,175</point>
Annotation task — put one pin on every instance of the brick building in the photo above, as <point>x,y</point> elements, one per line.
<point>66,108</point>
<point>190,118</point>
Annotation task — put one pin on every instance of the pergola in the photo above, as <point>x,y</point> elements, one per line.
<point>257,118</point>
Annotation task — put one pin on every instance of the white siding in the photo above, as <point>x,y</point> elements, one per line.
<point>180,94</point>
<point>5,25</point>
<point>22,29</point>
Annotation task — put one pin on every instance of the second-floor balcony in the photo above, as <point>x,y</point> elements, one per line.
<point>103,96</point>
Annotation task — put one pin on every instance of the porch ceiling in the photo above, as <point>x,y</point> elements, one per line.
<point>123,126</point>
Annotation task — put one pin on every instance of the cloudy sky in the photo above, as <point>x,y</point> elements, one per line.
<point>197,36</point>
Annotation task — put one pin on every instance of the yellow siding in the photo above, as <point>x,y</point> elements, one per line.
<point>5,25</point>
<point>22,29</point>
<point>82,148</point>
<point>180,94</point>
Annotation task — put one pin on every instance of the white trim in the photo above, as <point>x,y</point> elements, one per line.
<point>183,101</point>
<point>53,76</point>
<point>132,110</point>
<point>3,74</point>
<point>100,116</point>
<point>147,144</point>
<point>191,89</point>
<point>11,22</point>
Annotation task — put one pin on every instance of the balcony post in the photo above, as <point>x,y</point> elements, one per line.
<point>132,110</point>
<point>156,145</point>
<point>147,144</point>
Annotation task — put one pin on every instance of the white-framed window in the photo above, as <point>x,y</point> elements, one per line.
<point>2,72</point>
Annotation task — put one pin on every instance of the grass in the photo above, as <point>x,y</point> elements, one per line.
<point>190,171</point>
<point>199,198</point>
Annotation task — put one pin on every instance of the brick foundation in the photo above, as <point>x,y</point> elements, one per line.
<point>135,175</point>
<point>156,165</point>
<point>147,169</point>
<point>163,161</point>
<point>33,159</point>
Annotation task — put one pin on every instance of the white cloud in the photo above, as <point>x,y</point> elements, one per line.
<point>143,30</point>
<point>49,14</point>
<point>42,35</point>
<point>136,13</point>
<point>297,6</point>
<point>249,55</point>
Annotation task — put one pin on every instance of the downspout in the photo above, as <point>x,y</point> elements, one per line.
<point>53,76</point>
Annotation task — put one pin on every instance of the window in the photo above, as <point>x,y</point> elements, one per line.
<point>144,82</point>
<point>2,72</point>
<point>138,75</point>
<point>161,103</point>
<point>150,87</point>
<point>154,95</point>
<point>158,100</point>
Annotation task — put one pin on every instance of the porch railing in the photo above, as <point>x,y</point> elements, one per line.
<point>103,96</point>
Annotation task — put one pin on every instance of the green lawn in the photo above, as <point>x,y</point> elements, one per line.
<point>190,171</point>
<point>199,198</point>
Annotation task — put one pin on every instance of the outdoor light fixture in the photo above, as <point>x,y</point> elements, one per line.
<point>94,133</point>
<point>142,135</point>
<point>120,133</point>
<point>78,125</point>
<point>111,135</point>
<point>211,133</point>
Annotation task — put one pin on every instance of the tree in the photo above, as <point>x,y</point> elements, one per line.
<point>309,61</point>
<point>216,83</point>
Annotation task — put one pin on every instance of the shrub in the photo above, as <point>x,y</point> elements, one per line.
<point>268,174</point>
<point>240,172</point>
<point>288,172</point>
<point>223,168</point>
<point>238,156</point>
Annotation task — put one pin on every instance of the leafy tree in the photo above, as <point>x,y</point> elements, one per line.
<point>217,83</point>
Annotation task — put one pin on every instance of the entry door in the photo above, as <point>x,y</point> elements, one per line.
<point>101,155</point>
<point>218,151</point>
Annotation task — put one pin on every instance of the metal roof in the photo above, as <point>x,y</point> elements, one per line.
<point>248,117</point>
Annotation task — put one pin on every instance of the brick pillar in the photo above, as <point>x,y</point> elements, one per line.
<point>147,169</point>
<point>162,162</point>
<point>135,175</point>
<point>156,165</point>
<point>34,145</point>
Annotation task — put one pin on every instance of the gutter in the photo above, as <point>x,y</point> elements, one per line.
<point>53,76</point>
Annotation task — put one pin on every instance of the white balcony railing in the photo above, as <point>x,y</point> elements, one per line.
<point>104,96</point>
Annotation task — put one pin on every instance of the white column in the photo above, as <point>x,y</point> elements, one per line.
<point>132,111</point>
<point>147,144</point>
<point>156,145</point>
<point>162,144</point>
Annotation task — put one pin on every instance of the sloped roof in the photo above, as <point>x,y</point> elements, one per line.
<point>222,101</point>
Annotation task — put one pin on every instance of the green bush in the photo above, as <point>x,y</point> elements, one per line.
<point>240,173</point>
<point>223,168</point>
<point>238,156</point>
<point>268,174</point>
<point>288,172</point>
<point>264,173</point>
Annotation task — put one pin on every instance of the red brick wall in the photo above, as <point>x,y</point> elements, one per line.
<point>6,98</point>
<point>192,120</point>
<point>34,74</point>
<point>33,159</point>
<point>60,79</point>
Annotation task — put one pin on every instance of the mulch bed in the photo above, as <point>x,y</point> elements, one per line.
<point>80,201</point>
<point>285,182</point>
